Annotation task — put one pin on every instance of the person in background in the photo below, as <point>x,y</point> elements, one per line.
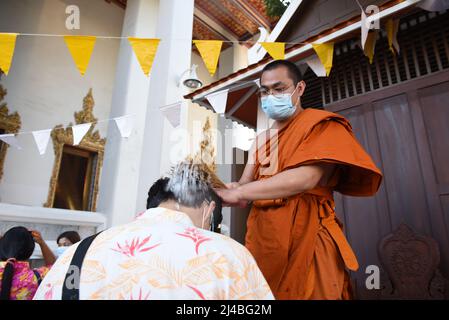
<point>68,238</point>
<point>159,193</point>
<point>65,240</point>
<point>17,280</point>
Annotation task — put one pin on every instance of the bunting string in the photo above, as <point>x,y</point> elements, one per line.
<point>126,37</point>
<point>67,127</point>
<point>42,137</point>
<point>81,48</point>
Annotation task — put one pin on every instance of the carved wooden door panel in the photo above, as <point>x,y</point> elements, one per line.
<point>405,130</point>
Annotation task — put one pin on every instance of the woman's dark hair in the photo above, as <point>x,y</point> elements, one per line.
<point>17,243</point>
<point>158,193</point>
<point>72,236</point>
<point>217,214</point>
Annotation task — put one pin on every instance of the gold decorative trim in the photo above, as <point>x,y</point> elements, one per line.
<point>10,123</point>
<point>92,141</point>
<point>206,155</point>
<point>207,150</point>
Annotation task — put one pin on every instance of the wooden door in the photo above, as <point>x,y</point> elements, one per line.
<point>405,128</point>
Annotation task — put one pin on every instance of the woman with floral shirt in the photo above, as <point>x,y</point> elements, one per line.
<point>17,280</point>
<point>168,252</point>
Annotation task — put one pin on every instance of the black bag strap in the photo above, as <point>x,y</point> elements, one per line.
<point>73,293</point>
<point>38,276</point>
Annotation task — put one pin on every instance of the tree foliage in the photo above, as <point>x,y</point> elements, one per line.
<point>276,8</point>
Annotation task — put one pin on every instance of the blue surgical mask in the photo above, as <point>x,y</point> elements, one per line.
<point>60,251</point>
<point>278,108</point>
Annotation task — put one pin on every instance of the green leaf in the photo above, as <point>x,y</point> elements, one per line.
<point>276,8</point>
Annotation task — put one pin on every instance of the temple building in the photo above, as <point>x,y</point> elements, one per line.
<point>397,106</point>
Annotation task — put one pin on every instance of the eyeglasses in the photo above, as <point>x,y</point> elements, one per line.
<point>277,93</point>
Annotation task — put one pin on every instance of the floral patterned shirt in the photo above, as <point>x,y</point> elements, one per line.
<point>24,281</point>
<point>161,255</point>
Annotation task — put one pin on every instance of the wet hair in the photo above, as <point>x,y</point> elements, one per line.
<point>192,183</point>
<point>17,243</point>
<point>158,193</point>
<point>293,70</point>
<point>72,236</point>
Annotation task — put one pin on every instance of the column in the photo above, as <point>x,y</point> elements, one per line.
<point>174,55</point>
<point>120,174</point>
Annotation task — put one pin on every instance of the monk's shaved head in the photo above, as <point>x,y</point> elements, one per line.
<point>293,71</point>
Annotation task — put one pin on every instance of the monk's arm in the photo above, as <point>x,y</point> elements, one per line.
<point>281,185</point>
<point>248,172</point>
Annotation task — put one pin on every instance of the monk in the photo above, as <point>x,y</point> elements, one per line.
<point>293,170</point>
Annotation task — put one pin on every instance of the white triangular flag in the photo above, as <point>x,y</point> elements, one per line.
<point>11,140</point>
<point>125,125</point>
<point>172,113</point>
<point>79,131</point>
<point>243,137</point>
<point>364,29</point>
<point>41,138</point>
<point>218,100</point>
<point>315,64</point>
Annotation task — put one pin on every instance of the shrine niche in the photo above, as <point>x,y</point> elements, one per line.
<point>9,123</point>
<point>76,172</point>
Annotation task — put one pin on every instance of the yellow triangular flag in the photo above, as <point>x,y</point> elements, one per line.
<point>370,45</point>
<point>145,51</point>
<point>275,49</point>
<point>81,48</point>
<point>392,27</point>
<point>210,52</point>
<point>325,52</point>
<point>7,46</point>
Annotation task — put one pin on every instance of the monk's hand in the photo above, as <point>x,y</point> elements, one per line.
<point>232,185</point>
<point>231,198</point>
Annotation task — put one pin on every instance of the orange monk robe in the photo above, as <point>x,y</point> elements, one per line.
<point>298,242</point>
